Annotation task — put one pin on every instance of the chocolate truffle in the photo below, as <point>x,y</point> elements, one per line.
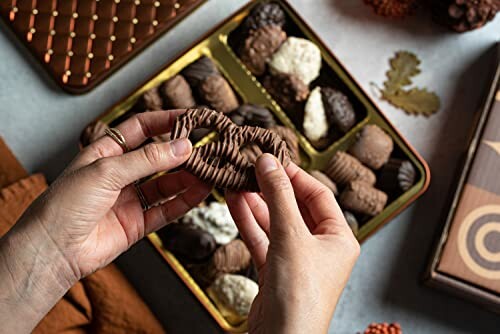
<point>265,14</point>
<point>323,178</point>
<point>177,93</point>
<point>151,100</point>
<point>199,70</point>
<point>299,57</point>
<point>396,176</point>
<point>338,109</point>
<point>373,146</point>
<point>291,140</point>
<point>215,219</point>
<point>315,123</point>
<point>253,115</point>
<point>93,132</point>
<point>287,90</point>
<point>361,197</point>
<point>233,295</point>
<point>215,90</point>
<point>187,241</point>
<point>352,222</point>
<point>344,168</point>
<point>259,46</point>
<point>231,258</point>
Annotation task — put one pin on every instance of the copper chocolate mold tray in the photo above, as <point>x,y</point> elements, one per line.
<point>81,42</point>
<point>218,45</point>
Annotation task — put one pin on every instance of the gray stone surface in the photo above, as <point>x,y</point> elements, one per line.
<point>41,123</point>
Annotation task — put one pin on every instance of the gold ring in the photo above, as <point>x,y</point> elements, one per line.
<point>117,136</point>
<point>142,198</point>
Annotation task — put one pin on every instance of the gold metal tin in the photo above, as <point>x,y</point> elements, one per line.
<point>215,45</point>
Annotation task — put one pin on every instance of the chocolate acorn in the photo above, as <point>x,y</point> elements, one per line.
<point>199,70</point>
<point>338,109</point>
<point>361,197</point>
<point>344,168</point>
<point>265,14</point>
<point>396,176</point>
<point>216,92</point>
<point>373,146</point>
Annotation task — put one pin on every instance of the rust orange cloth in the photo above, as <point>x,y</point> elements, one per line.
<point>103,302</point>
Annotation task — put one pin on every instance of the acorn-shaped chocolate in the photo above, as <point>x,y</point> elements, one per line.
<point>231,258</point>
<point>373,146</point>
<point>338,109</point>
<point>344,168</point>
<point>396,176</point>
<point>217,93</point>
<point>361,197</point>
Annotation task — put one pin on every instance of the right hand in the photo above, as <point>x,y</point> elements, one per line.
<point>301,244</point>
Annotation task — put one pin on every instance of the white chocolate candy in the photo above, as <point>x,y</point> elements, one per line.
<point>215,219</point>
<point>234,294</point>
<point>315,122</point>
<point>299,57</point>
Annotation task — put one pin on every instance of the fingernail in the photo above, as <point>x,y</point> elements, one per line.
<point>267,163</point>
<point>181,147</point>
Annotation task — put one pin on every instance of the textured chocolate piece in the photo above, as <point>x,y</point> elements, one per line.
<point>231,258</point>
<point>291,140</point>
<point>81,42</point>
<point>338,109</point>
<point>220,163</point>
<point>251,152</point>
<point>259,46</point>
<point>287,90</point>
<point>177,93</point>
<point>187,241</point>
<point>352,222</point>
<point>93,132</point>
<point>373,146</point>
<point>315,124</point>
<point>344,168</point>
<point>361,197</point>
<point>396,176</point>
<point>265,14</point>
<point>323,178</point>
<point>11,169</point>
<point>151,100</point>
<point>253,115</point>
<point>199,70</point>
<point>217,93</point>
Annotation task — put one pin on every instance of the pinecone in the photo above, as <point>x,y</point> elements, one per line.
<point>464,15</point>
<point>383,328</point>
<point>393,8</point>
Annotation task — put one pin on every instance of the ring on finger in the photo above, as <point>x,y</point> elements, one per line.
<point>117,136</point>
<point>142,198</point>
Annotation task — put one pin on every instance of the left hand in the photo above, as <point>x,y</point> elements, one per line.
<point>92,212</point>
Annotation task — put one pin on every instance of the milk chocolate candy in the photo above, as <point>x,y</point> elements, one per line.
<point>338,109</point>
<point>177,93</point>
<point>199,70</point>
<point>259,46</point>
<point>323,178</point>
<point>251,153</point>
<point>151,100</point>
<point>265,14</point>
<point>217,93</point>
<point>373,146</point>
<point>253,115</point>
<point>361,197</point>
<point>93,132</point>
<point>352,222</point>
<point>187,241</point>
<point>344,168</point>
<point>396,176</point>
<point>291,140</point>
<point>286,89</point>
<point>231,258</point>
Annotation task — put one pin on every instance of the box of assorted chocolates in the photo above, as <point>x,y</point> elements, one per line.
<point>265,67</point>
<point>467,258</point>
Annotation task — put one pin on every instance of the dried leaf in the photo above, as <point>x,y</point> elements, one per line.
<point>414,101</point>
<point>404,65</point>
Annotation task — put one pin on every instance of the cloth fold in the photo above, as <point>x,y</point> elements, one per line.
<point>103,302</point>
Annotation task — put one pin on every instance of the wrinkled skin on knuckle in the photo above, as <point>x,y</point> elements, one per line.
<point>154,155</point>
<point>106,171</point>
<point>277,182</point>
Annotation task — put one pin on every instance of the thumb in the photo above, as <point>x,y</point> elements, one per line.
<point>275,185</point>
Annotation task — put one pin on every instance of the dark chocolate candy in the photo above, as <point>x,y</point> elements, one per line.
<point>286,89</point>
<point>373,146</point>
<point>253,115</point>
<point>187,241</point>
<point>344,168</point>
<point>291,140</point>
<point>361,197</point>
<point>338,109</point>
<point>396,176</point>
<point>323,178</point>
<point>265,14</point>
<point>259,46</point>
<point>216,92</point>
<point>177,93</point>
<point>199,70</point>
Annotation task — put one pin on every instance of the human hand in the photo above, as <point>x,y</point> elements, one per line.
<point>301,244</point>
<point>92,212</point>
